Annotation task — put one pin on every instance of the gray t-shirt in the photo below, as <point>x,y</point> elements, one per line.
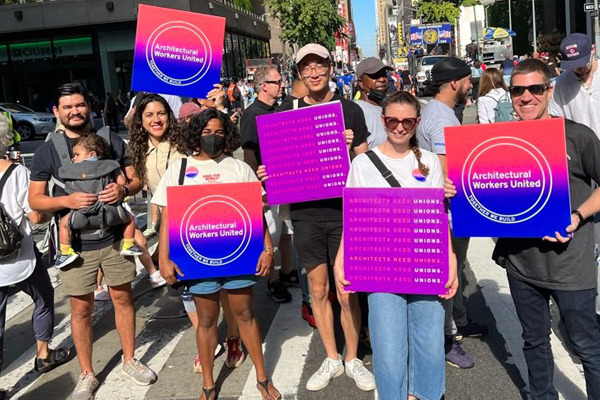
<point>374,124</point>
<point>434,118</point>
<point>558,266</point>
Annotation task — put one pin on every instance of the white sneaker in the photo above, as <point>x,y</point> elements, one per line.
<point>329,369</point>
<point>102,295</point>
<point>156,280</point>
<point>363,378</point>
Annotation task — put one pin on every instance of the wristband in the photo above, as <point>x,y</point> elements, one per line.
<point>269,250</point>
<point>578,214</point>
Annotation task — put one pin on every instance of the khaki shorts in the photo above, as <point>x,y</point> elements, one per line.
<point>80,277</point>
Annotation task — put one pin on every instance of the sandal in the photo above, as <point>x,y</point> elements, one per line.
<point>265,386</point>
<point>208,392</point>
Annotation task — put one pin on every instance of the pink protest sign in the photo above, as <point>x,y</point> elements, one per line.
<point>305,153</point>
<point>396,240</point>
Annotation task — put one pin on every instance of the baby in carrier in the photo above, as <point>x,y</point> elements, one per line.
<point>92,170</point>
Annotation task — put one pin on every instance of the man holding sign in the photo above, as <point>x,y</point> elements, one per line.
<point>318,229</point>
<point>562,266</point>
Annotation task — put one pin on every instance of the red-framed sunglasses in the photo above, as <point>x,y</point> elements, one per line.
<point>407,123</point>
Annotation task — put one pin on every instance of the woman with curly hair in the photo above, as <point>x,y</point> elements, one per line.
<point>155,142</point>
<point>211,138</point>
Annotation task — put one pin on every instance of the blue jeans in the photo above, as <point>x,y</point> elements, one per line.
<point>577,311</point>
<point>407,337</point>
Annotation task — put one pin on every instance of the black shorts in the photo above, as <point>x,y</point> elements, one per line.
<point>317,242</point>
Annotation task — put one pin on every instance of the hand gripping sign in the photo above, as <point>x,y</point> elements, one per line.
<point>215,230</point>
<point>177,52</point>
<point>512,179</point>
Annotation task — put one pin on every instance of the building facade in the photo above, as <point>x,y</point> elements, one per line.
<point>43,45</point>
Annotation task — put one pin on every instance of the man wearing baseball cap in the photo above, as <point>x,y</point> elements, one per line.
<point>451,78</point>
<point>577,97</point>
<point>318,230</point>
<point>372,84</point>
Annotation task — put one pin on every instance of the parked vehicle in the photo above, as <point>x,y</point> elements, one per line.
<point>424,65</point>
<point>493,51</point>
<point>29,123</point>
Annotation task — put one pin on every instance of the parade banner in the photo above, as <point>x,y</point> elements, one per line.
<point>215,230</point>
<point>177,52</point>
<point>430,34</point>
<point>396,240</point>
<point>512,179</point>
<point>305,153</point>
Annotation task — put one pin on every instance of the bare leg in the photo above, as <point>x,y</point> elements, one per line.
<point>64,233</point>
<point>318,280</point>
<point>232,326</point>
<point>242,305</point>
<point>350,322</point>
<point>81,329</point>
<point>43,350</point>
<point>124,318</point>
<point>207,308</point>
<point>145,258</point>
<point>99,279</point>
<point>129,230</point>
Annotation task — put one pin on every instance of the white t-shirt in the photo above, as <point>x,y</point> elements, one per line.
<point>434,118</point>
<point>374,124</point>
<point>224,169</point>
<point>363,173</point>
<point>486,105</point>
<point>573,100</point>
<point>20,266</point>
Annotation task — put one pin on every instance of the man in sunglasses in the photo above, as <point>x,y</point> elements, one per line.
<point>372,84</point>
<point>561,267</point>
<point>577,97</point>
<point>269,85</point>
<point>451,78</point>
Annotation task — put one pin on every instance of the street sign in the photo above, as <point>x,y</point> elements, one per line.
<point>588,7</point>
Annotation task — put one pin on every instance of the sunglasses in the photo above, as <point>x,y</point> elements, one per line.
<point>407,123</point>
<point>535,90</point>
<point>275,82</point>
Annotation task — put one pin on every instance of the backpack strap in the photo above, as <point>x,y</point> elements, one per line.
<point>385,172</point>
<point>182,170</point>
<point>104,133</point>
<point>5,176</point>
<point>59,139</point>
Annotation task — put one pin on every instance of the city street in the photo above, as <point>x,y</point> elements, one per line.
<point>293,350</point>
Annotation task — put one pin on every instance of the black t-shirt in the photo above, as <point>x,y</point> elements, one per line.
<point>405,75</point>
<point>330,209</point>
<point>558,266</point>
<point>249,129</point>
<point>46,164</point>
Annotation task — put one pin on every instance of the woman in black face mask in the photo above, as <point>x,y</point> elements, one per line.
<point>211,138</point>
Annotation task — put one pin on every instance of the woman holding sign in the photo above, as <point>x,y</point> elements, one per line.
<point>211,138</point>
<point>407,331</point>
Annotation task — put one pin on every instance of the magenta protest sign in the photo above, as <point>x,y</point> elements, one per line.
<point>396,240</point>
<point>305,153</point>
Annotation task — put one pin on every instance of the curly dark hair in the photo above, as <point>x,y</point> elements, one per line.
<point>93,142</point>
<point>192,132</point>
<point>137,150</point>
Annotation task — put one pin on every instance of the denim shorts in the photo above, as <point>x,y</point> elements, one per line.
<point>213,285</point>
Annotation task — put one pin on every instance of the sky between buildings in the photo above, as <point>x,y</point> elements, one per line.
<point>364,24</point>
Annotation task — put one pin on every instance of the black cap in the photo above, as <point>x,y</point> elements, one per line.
<point>449,69</point>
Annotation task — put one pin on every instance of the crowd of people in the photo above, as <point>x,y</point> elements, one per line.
<point>412,336</point>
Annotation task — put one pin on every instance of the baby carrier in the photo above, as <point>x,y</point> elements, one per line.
<point>89,177</point>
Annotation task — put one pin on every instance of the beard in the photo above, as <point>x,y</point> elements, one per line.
<point>461,97</point>
<point>77,127</point>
